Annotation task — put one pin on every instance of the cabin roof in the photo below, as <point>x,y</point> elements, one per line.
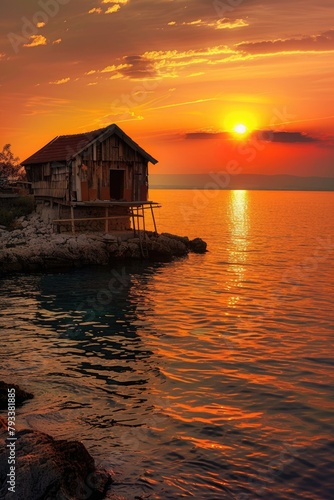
<point>66,147</point>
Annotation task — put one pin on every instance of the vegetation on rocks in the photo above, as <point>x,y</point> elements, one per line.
<point>10,168</point>
<point>12,209</point>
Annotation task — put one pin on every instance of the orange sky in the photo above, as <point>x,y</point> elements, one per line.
<point>176,75</point>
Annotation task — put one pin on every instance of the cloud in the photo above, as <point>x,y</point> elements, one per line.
<point>116,5</point>
<point>113,67</point>
<point>260,135</point>
<point>284,137</point>
<point>40,25</point>
<point>114,8</point>
<point>138,67</point>
<point>95,10</point>
<point>167,64</point>
<point>36,40</point>
<point>120,115</point>
<point>224,23</point>
<point>199,73</point>
<point>61,81</point>
<point>322,42</point>
<point>56,42</point>
<point>205,135</point>
<point>37,105</point>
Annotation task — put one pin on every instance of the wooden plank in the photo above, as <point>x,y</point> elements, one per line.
<point>95,218</point>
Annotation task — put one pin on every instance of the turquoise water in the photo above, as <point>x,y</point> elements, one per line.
<point>208,378</point>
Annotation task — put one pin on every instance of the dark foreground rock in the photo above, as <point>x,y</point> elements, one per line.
<point>20,395</point>
<point>47,469</point>
<point>34,247</point>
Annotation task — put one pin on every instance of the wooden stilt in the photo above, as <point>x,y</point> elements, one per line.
<point>107,222</point>
<point>133,222</point>
<point>143,214</point>
<point>153,218</point>
<point>72,219</point>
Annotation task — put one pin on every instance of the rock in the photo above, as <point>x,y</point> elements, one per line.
<point>47,469</point>
<point>183,239</point>
<point>112,249</point>
<point>109,237</point>
<point>176,246</point>
<point>197,245</point>
<point>122,250</point>
<point>134,250</point>
<point>59,240</point>
<point>72,245</point>
<point>158,252</point>
<point>35,247</point>
<point>20,395</point>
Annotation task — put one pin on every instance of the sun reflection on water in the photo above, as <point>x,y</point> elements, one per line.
<point>239,229</point>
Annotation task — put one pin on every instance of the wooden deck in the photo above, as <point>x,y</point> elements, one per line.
<point>136,213</point>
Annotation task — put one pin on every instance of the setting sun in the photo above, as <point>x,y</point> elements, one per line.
<point>240,129</point>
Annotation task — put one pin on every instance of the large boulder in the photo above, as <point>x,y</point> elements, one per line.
<point>20,395</point>
<point>177,246</point>
<point>183,239</point>
<point>46,469</point>
<point>197,245</point>
<point>158,252</point>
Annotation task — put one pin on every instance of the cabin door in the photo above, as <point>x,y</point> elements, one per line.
<point>116,184</point>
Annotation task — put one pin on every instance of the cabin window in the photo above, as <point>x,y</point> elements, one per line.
<point>116,184</point>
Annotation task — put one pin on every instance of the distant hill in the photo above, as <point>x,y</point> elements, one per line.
<point>241,181</point>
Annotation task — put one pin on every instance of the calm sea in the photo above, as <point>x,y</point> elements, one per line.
<point>211,377</point>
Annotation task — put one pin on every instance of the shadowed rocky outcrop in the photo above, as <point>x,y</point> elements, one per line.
<point>47,469</point>
<point>20,395</point>
<point>34,247</point>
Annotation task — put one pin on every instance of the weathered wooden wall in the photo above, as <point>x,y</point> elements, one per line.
<point>112,154</point>
<point>90,176</point>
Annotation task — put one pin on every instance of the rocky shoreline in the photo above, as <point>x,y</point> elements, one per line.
<point>33,246</point>
<point>45,468</point>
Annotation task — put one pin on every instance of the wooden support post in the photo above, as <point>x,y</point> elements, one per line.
<point>107,222</point>
<point>153,218</point>
<point>143,213</point>
<point>133,221</point>
<point>72,219</point>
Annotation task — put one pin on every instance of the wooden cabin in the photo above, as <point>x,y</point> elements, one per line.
<point>90,172</point>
